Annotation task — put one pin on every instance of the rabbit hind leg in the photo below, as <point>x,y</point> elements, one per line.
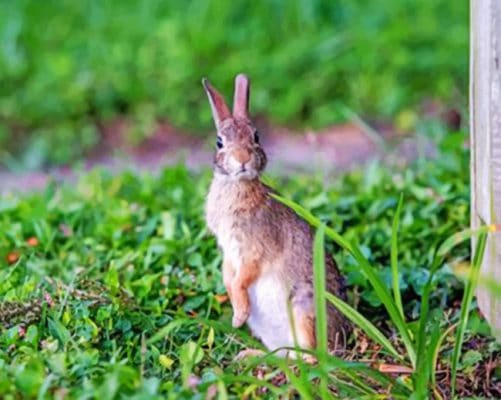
<point>304,324</point>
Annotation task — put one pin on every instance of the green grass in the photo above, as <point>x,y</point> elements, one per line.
<point>67,66</point>
<point>112,288</point>
<point>423,361</point>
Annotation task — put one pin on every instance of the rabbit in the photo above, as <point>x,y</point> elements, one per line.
<point>267,248</point>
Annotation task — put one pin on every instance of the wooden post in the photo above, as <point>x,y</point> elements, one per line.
<point>485,134</point>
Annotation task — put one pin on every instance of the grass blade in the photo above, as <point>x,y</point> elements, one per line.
<point>421,376</point>
<point>465,234</point>
<point>436,350</point>
<point>167,329</point>
<point>394,257</point>
<point>314,221</point>
<point>320,304</point>
<point>368,327</point>
<point>471,283</point>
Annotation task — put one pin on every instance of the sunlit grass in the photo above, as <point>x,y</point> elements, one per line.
<point>111,287</point>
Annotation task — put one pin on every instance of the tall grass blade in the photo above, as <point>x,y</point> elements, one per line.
<point>394,257</point>
<point>436,350</point>
<point>320,304</point>
<point>421,338</point>
<point>314,221</point>
<point>368,327</point>
<point>471,283</point>
<point>466,234</point>
<point>421,376</point>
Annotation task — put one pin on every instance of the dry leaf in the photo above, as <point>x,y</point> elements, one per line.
<point>221,298</point>
<point>395,369</point>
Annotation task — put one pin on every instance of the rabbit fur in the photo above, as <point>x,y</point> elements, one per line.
<point>267,248</point>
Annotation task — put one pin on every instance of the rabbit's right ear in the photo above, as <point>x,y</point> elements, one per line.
<point>241,97</point>
<point>220,110</point>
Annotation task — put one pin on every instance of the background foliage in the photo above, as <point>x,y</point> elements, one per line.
<point>66,66</point>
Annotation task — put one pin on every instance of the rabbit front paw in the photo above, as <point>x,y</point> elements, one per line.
<point>239,318</point>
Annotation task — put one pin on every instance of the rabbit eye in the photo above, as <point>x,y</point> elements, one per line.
<point>256,137</point>
<point>219,142</point>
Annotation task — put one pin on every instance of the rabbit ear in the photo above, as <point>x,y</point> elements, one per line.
<point>241,97</point>
<point>220,110</point>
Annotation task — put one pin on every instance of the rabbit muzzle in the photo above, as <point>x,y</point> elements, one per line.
<point>241,164</point>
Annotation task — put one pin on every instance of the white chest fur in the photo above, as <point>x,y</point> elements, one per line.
<point>269,318</point>
<point>268,295</point>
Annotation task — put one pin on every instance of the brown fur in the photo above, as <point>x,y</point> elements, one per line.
<point>260,234</point>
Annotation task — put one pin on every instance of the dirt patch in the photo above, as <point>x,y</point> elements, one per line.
<point>333,149</point>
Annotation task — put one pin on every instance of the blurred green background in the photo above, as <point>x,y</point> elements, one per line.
<point>69,67</point>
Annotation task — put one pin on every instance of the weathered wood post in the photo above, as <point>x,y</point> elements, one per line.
<point>485,134</point>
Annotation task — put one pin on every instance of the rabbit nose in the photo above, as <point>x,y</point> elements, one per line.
<point>242,156</point>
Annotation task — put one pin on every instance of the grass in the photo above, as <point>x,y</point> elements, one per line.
<point>421,376</point>
<point>92,62</point>
<point>112,288</point>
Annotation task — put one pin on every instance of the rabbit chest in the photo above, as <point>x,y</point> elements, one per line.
<point>268,295</point>
<point>269,316</point>
<point>243,235</point>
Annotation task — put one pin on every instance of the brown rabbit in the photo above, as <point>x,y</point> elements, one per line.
<point>267,247</point>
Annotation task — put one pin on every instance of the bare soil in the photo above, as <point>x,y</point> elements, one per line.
<point>333,149</point>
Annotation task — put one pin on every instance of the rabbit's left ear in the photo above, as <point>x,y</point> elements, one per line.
<point>241,97</point>
<point>220,110</point>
